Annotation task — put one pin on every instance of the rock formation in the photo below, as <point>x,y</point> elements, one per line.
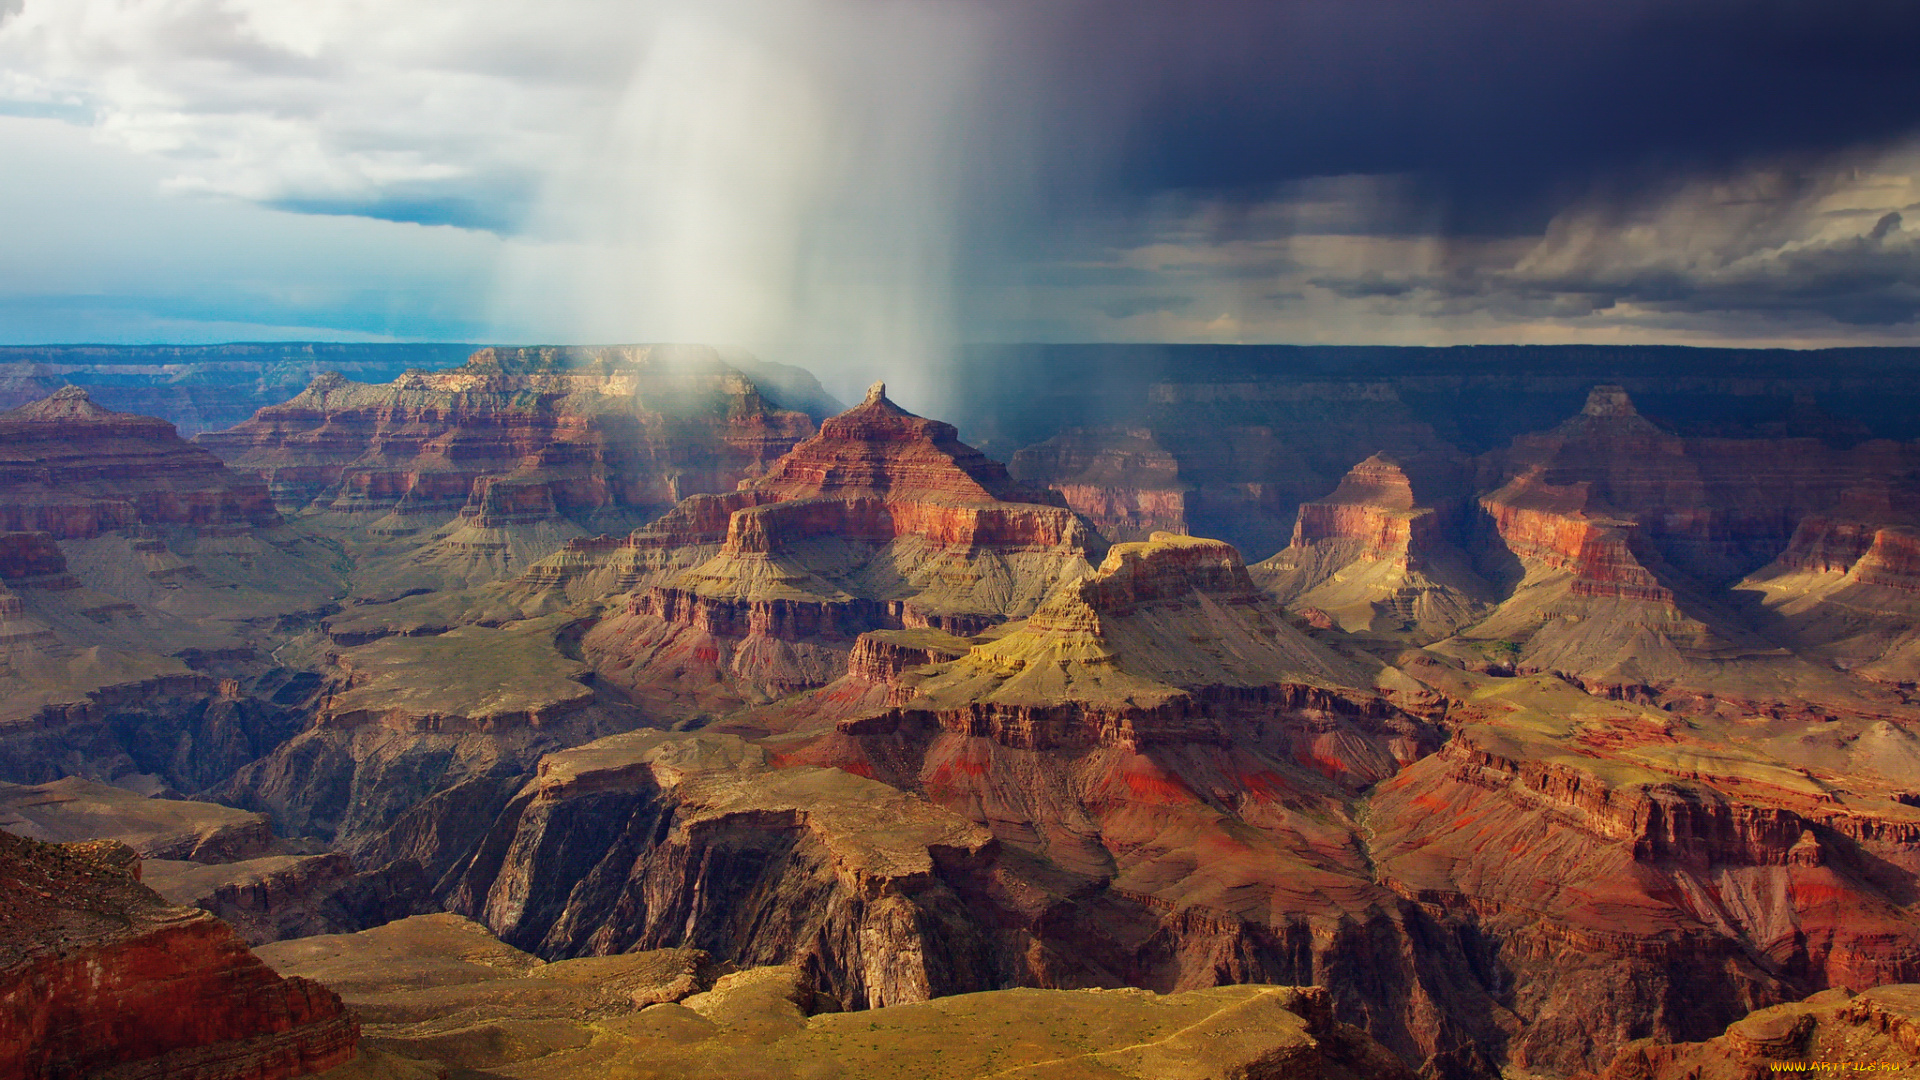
<point>884,520</point>
<point>100,977</point>
<point>213,857</point>
<point>711,849</point>
<point>440,991</point>
<point>75,470</point>
<point>1638,875</point>
<point>1371,556</point>
<point>415,742</point>
<point>1832,1032</point>
<point>1122,481</point>
<point>147,577</point>
<point>498,462</point>
<point>1137,653</point>
<point>203,387</point>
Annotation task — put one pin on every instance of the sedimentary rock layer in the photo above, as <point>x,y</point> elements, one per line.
<point>73,469</point>
<point>1372,555</point>
<point>884,520</point>
<point>100,977</point>
<point>518,434</point>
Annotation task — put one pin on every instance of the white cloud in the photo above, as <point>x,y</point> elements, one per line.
<point>333,102</point>
<point>773,173</point>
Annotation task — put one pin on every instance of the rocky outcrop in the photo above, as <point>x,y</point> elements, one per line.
<point>33,559</point>
<point>1559,527</point>
<point>98,976</point>
<point>1830,1032</point>
<point>1121,481</point>
<point>884,520</point>
<point>1372,556</point>
<point>517,435</point>
<point>1166,634</point>
<point>710,849</point>
<point>418,740</point>
<point>1621,883</point>
<point>74,470</point>
<point>275,897</point>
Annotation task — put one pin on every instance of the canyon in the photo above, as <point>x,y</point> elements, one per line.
<point>582,708</point>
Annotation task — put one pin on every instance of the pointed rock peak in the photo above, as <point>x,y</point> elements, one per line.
<point>1378,481</point>
<point>879,446</point>
<point>67,403</point>
<point>1609,401</point>
<point>327,381</point>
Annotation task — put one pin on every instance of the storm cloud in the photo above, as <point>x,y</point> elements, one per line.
<point>882,177</point>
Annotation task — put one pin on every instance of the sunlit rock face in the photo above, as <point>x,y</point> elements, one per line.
<point>1374,555</point>
<point>516,435</point>
<point>884,520</point>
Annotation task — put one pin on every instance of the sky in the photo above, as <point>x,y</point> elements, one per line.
<point>860,185</point>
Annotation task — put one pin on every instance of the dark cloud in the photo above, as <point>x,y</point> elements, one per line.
<point>1127,306</point>
<point>1498,110</point>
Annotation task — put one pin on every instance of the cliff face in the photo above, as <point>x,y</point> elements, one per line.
<point>75,470</point>
<point>843,876</point>
<point>1555,527</point>
<point>880,897</point>
<point>516,435</point>
<point>885,520</point>
<point>1121,481</point>
<point>102,977</point>
<point>1642,878</point>
<point>1371,555</point>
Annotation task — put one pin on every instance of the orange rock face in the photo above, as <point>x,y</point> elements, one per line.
<point>1551,525</point>
<point>744,613</point>
<point>518,434</point>
<point>1374,504</point>
<point>97,974</point>
<point>74,470</point>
